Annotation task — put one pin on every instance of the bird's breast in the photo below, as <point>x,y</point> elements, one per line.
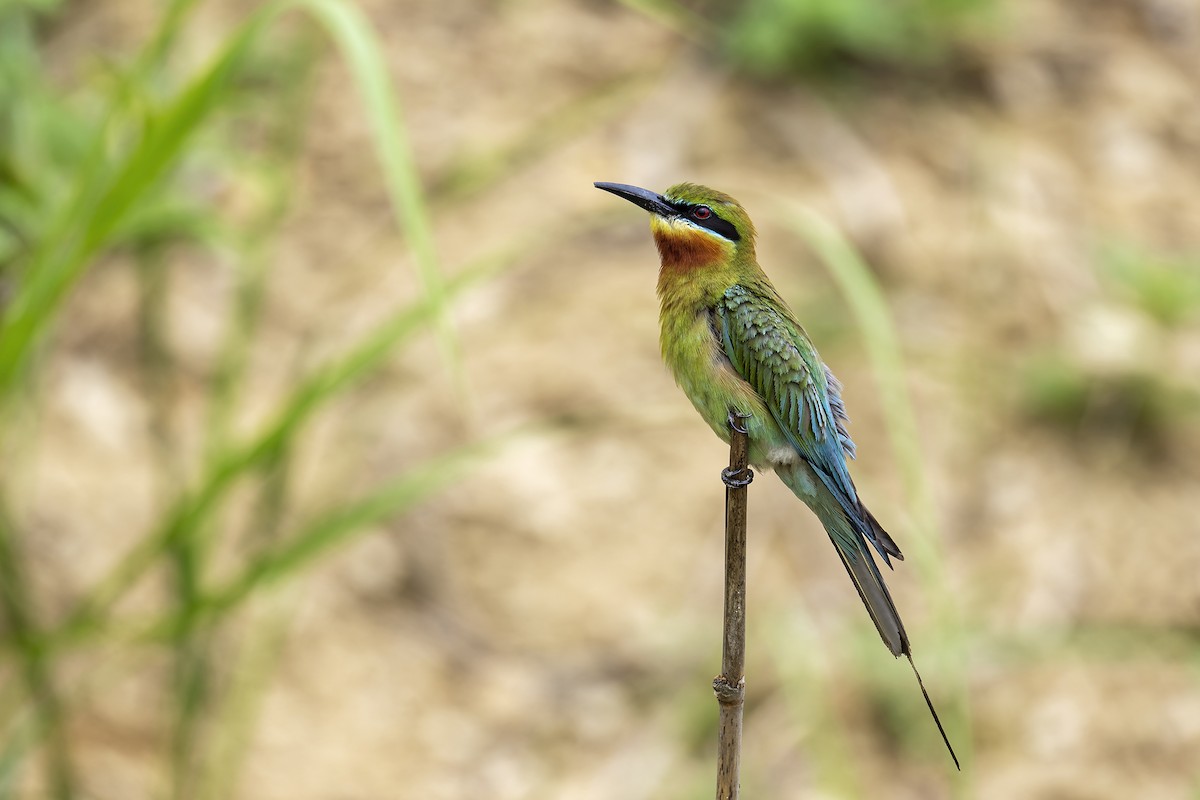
<point>692,349</point>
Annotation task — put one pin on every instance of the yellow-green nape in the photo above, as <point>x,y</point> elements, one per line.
<point>723,205</point>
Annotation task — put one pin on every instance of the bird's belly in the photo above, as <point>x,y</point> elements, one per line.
<point>715,389</point>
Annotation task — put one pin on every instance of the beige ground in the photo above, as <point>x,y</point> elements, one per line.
<point>548,629</point>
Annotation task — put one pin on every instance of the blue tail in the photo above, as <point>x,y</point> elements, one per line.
<point>852,549</point>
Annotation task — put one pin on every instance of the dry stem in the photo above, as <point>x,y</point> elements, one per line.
<point>730,685</point>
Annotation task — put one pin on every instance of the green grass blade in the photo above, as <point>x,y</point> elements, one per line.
<point>103,203</point>
<point>103,200</point>
<point>874,321</point>
<point>18,740</point>
<point>263,647</point>
<point>37,671</point>
<point>192,509</point>
<point>339,526</point>
<point>165,34</point>
<point>361,49</point>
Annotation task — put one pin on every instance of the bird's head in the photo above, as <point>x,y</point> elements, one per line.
<point>693,226</point>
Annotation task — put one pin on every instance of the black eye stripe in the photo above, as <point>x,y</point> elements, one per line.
<point>714,223</point>
<point>721,226</point>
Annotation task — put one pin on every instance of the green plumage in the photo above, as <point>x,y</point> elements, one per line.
<point>734,346</point>
<point>771,352</point>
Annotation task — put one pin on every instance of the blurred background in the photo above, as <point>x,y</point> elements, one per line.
<point>337,459</point>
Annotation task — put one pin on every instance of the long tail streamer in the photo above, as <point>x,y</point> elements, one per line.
<point>933,711</point>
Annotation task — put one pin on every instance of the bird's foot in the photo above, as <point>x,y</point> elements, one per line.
<point>737,478</point>
<point>735,421</point>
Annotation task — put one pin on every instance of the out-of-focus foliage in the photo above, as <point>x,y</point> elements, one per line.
<point>1139,405</point>
<point>58,143</point>
<point>120,165</point>
<point>778,37</point>
<point>207,170</point>
<point>1118,369</point>
<point>1164,287</point>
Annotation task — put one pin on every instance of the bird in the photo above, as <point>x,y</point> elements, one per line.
<point>740,355</point>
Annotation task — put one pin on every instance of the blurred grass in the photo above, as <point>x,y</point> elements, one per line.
<point>110,167</point>
<point>675,16</point>
<point>810,678</point>
<point>1117,370</point>
<point>786,39</point>
<point>109,184</point>
<point>772,38</point>
<point>1166,288</point>
<point>89,171</point>
<point>1144,398</point>
<point>945,651</point>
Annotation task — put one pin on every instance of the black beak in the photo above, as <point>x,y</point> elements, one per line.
<point>653,202</point>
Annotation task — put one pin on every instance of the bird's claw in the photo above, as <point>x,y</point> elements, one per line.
<point>737,478</point>
<point>734,421</point>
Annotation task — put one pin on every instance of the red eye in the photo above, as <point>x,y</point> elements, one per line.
<point>702,212</point>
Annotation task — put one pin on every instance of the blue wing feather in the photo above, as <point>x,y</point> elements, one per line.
<point>770,350</point>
